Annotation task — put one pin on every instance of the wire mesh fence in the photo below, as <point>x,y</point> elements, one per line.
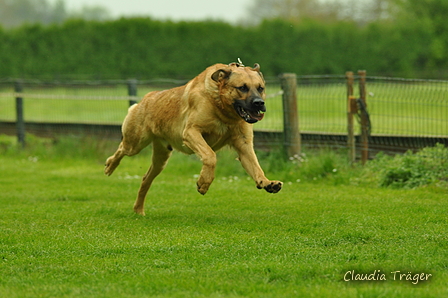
<point>95,102</point>
<point>404,113</point>
<point>406,107</point>
<point>321,104</point>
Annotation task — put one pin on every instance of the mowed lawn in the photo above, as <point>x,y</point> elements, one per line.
<point>66,230</point>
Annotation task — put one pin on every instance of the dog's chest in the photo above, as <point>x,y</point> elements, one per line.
<point>218,137</point>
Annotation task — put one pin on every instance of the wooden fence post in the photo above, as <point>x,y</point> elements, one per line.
<point>351,110</point>
<point>20,122</point>
<point>364,119</point>
<point>132,91</point>
<point>292,138</point>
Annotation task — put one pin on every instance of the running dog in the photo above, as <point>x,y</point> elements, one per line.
<point>215,109</point>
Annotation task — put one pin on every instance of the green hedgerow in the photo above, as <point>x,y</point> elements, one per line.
<point>410,170</point>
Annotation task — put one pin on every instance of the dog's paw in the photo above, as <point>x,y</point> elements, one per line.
<point>203,188</point>
<point>107,171</point>
<point>139,210</point>
<point>273,186</point>
<point>110,166</point>
<point>203,184</point>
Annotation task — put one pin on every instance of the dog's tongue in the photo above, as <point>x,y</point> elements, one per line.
<point>249,116</point>
<point>256,116</point>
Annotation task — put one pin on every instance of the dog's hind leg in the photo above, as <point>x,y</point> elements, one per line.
<point>124,149</point>
<point>160,156</point>
<point>132,143</point>
<point>113,161</point>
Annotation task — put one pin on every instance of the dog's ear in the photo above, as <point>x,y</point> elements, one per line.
<point>257,69</point>
<point>221,74</point>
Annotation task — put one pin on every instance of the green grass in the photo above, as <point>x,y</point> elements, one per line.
<point>414,109</point>
<point>66,230</point>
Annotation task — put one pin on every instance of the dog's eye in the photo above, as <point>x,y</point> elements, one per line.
<point>243,88</point>
<point>260,89</point>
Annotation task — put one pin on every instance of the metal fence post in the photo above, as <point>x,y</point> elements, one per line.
<point>20,122</point>
<point>364,119</point>
<point>351,110</point>
<point>132,90</point>
<point>292,138</point>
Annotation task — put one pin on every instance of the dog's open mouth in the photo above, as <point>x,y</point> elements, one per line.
<point>249,116</point>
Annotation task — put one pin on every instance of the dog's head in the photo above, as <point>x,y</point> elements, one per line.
<point>243,88</point>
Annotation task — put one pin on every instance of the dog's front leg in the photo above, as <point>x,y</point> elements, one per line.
<point>250,163</point>
<point>194,140</point>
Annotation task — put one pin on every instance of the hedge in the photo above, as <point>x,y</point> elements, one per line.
<point>145,48</point>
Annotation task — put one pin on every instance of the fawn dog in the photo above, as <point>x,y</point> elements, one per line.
<point>214,109</point>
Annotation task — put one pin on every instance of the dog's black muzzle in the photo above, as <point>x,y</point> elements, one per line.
<point>251,110</point>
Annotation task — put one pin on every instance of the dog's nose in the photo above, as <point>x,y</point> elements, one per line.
<point>259,104</point>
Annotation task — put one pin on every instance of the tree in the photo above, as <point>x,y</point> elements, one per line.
<point>91,13</point>
<point>58,13</point>
<point>429,15</point>
<point>294,10</point>
<point>14,13</point>
<point>361,12</point>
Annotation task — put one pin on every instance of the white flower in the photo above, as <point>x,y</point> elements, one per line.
<point>33,158</point>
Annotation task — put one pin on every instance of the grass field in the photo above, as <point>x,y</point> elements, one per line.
<point>414,109</point>
<point>66,230</point>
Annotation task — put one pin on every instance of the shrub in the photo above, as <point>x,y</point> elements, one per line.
<point>410,170</point>
<point>311,165</point>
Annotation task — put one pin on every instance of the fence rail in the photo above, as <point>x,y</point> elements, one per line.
<point>65,96</point>
<point>404,114</point>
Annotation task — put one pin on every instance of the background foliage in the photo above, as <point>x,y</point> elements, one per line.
<point>406,39</point>
<point>146,48</point>
<point>411,170</point>
<point>14,13</point>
